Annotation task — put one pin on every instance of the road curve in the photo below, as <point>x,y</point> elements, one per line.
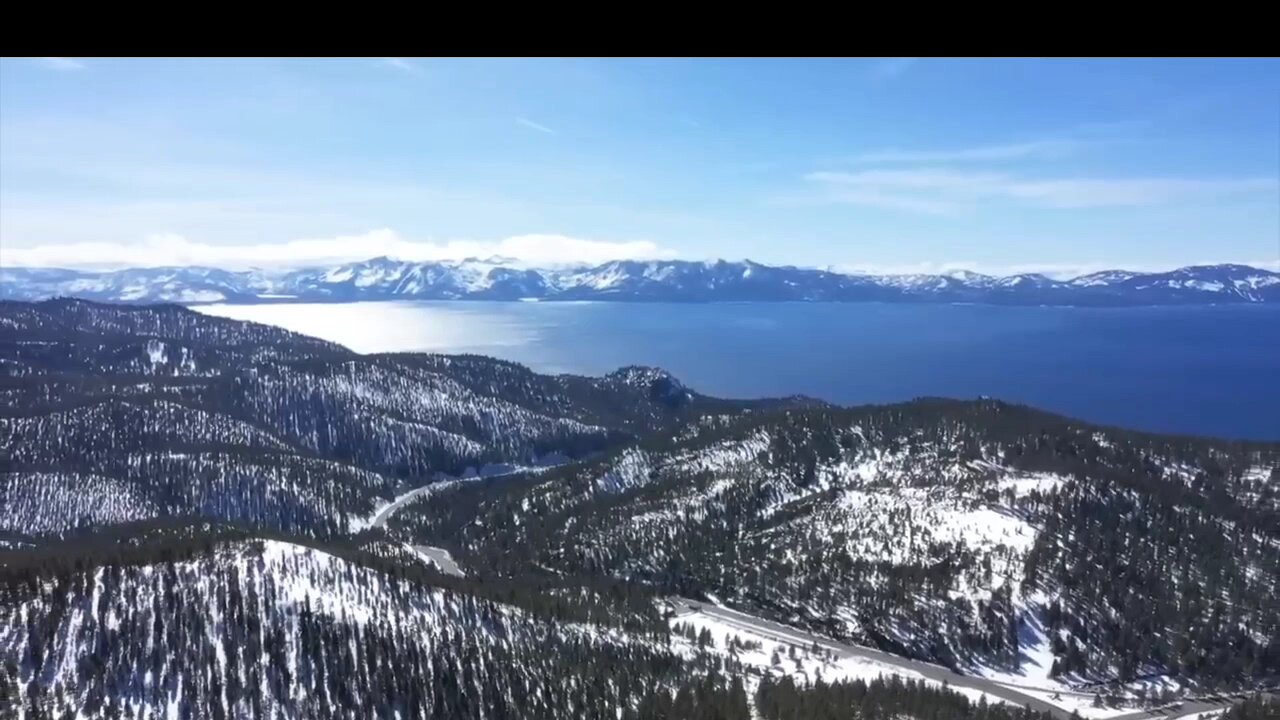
<point>380,519</point>
<point>438,556</point>
<point>794,636</point>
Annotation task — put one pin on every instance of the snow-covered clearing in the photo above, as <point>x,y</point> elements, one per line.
<point>1037,661</point>
<point>768,655</point>
<point>1025,483</point>
<point>797,660</point>
<point>1076,702</point>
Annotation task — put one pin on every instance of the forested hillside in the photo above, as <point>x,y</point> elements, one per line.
<point>192,521</point>
<point>110,414</point>
<point>205,623</point>
<point>980,535</point>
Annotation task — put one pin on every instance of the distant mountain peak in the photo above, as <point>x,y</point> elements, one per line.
<point>967,275</point>
<point>502,278</point>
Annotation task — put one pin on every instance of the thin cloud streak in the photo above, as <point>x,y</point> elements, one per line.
<point>61,63</point>
<point>1011,151</point>
<point>942,190</point>
<point>535,126</point>
<point>891,201</point>
<point>402,64</point>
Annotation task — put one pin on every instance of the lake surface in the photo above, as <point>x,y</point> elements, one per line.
<point>1200,370</point>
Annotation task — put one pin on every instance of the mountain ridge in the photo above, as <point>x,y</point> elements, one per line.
<point>229,474</point>
<point>502,279</point>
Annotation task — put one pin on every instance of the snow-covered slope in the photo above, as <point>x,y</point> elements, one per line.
<point>627,280</point>
<point>993,538</point>
<point>146,451</point>
<point>983,536</point>
<point>187,624</point>
<point>113,413</point>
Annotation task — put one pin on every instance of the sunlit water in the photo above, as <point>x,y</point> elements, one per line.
<point>1201,370</point>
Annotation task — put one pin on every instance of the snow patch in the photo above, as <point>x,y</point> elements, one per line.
<point>632,469</point>
<point>156,352</point>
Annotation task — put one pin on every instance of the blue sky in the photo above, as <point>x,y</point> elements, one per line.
<point>879,164</point>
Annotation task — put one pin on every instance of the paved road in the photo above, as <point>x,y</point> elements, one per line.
<point>380,519</point>
<point>790,635</point>
<point>438,555</point>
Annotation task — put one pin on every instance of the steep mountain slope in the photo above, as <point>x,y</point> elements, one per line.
<point>208,621</point>
<point>985,536</point>
<point>203,622</point>
<point>111,413</point>
<point>636,281</point>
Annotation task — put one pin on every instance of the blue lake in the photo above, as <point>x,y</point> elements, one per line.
<point>1200,370</point>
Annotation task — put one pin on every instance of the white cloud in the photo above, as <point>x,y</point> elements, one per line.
<point>935,190</point>
<point>535,126</point>
<point>162,250</point>
<point>61,63</point>
<point>402,64</point>
<point>872,197</point>
<point>1010,151</point>
<point>1272,265</point>
<point>914,179</point>
<point>1100,192</point>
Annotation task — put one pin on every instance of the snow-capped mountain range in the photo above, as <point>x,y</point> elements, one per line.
<point>637,281</point>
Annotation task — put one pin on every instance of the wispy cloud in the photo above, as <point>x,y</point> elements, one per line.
<point>1010,151</point>
<point>61,63</point>
<point>940,190</point>
<point>888,68</point>
<point>543,250</point>
<point>535,126</point>
<point>402,64</point>
<point>875,197</point>
<point>1111,127</point>
<point>1110,192</point>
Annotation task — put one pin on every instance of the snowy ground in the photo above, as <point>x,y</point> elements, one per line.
<point>798,661</point>
<point>1033,679</point>
<point>1077,702</point>
<point>1037,661</point>
<point>1207,715</point>
<point>803,663</point>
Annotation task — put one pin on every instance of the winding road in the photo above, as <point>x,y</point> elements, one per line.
<point>382,516</point>
<point>438,556</point>
<point>785,634</point>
